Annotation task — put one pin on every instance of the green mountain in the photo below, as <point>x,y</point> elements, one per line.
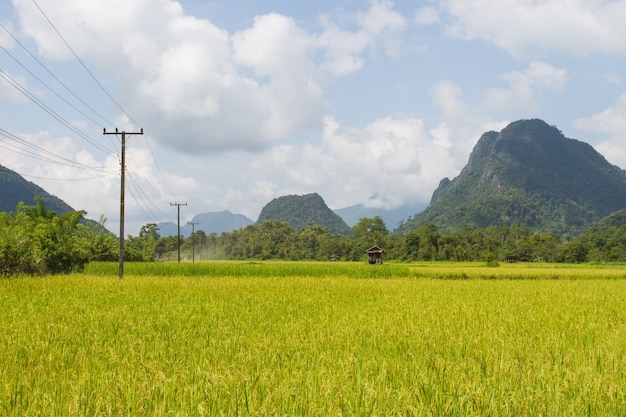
<point>14,189</point>
<point>300,211</point>
<point>615,219</point>
<point>529,174</point>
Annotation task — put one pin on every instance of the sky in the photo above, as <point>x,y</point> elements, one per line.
<point>242,101</point>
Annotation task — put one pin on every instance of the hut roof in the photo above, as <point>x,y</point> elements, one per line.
<point>374,249</point>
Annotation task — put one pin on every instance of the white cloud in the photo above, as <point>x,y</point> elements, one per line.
<point>393,156</point>
<point>463,123</point>
<point>197,87</point>
<point>446,96</point>
<point>610,123</point>
<point>344,50</point>
<point>276,49</point>
<point>523,87</point>
<point>573,26</point>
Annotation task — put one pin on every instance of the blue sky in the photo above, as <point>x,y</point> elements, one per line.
<point>247,100</point>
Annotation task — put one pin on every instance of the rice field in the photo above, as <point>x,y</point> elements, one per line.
<point>315,339</point>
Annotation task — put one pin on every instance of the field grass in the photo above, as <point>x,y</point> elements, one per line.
<point>319,340</point>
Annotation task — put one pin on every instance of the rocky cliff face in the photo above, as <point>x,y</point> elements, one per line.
<point>532,175</point>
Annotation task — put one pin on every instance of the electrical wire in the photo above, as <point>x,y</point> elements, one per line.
<point>151,195</point>
<point>26,148</point>
<point>65,179</point>
<point>53,76</point>
<point>85,66</point>
<point>51,112</point>
<point>165,182</point>
<point>137,187</point>
<point>104,90</point>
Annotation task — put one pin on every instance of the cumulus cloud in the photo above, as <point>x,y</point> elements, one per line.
<point>611,123</point>
<point>573,26</point>
<point>344,49</point>
<point>447,97</point>
<point>196,86</point>
<point>277,49</point>
<point>394,156</point>
<point>522,88</point>
<point>464,124</point>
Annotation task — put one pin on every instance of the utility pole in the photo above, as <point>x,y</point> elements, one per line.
<point>178,206</point>
<point>193,240</point>
<point>120,272</point>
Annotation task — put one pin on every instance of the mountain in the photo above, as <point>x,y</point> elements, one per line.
<point>211,222</point>
<point>615,219</point>
<point>530,174</point>
<point>392,217</point>
<point>300,211</point>
<point>14,189</point>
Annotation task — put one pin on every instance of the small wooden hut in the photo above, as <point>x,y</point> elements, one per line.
<point>375,255</point>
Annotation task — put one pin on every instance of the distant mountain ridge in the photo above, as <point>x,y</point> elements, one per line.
<point>302,210</point>
<point>392,217</point>
<point>210,222</point>
<point>529,174</point>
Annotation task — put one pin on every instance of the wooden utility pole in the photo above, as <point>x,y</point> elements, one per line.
<point>178,222</point>
<point>193,240</point>
<point>120,272</point>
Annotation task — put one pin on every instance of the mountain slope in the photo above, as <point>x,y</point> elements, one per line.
<point>300,211</point>
<point>14,189</point>
<point>529,174</point>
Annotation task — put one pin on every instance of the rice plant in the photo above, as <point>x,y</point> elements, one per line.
<point>311,344</point>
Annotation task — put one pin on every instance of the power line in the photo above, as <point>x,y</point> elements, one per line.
<point>49,110</point>
<point>146,214</point>
<point>104,90</point>
<point>156,164</point>
<point>85,66</point>
<point>146,203</point>
<point>63,179</point>
<point>22,147</point>
<point>139,189</point>
<point>53,76</point>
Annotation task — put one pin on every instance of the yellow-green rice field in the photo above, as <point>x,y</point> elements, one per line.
<point>315,339</point>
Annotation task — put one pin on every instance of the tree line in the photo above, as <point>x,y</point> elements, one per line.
<point>36,241</point>
<point>274,239</point>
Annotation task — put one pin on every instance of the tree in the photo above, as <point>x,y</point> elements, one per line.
<point>422,243</point>
<point>143,247</point>
<point>36,241</point>
<point>97,242</point>
<point>575,251</point>
<point>371,230</point>
<point>309,242</point>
